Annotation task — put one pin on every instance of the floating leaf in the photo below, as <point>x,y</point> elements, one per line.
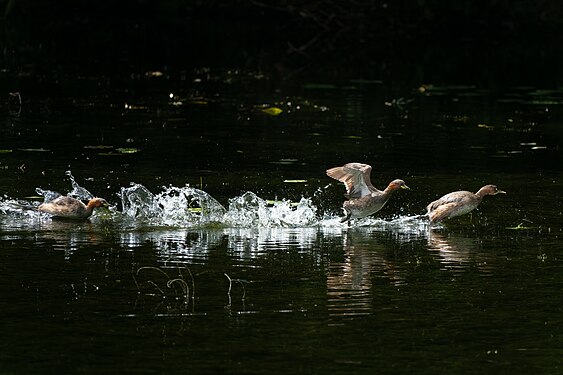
<point>198,101</point>
<point>521,227</point>
<point>33,149</point>
<point>5,151</point>
<point>295,181</point>
<point>354,137</point>
<point>285,161</point>
<point>485,126</point>
<point>154,74</point>
<point>127,150</point>
<point>98,147</point>
<point>272,111</point>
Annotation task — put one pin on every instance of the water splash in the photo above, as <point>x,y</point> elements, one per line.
<point>249,210</point>
<point>48,195</point>
<point>138,202</point>
<point>175,206</point>
<point>188,207</point>
<point>78,191</point>
<point>17,208</point>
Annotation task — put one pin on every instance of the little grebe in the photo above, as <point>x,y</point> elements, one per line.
<point>71,208</point>
<point>458,203</point>
<point>363,198</point>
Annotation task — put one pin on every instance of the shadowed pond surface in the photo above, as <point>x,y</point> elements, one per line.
<point>223,251</point>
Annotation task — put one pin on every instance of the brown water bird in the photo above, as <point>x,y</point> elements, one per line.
<point>458,203</point>
<point>363,198</point>
<point>71,208</point>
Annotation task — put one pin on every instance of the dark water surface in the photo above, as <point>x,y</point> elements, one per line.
<point>260,280</point>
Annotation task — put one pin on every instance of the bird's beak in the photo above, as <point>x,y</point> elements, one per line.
<point>501,192</point>
<point>405,187</point>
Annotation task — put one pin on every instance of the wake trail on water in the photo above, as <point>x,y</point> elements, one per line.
<point>187,207</point>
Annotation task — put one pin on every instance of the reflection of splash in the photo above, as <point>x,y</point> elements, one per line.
<point>350,273</point>
<point>188,246</point>
<point>403,228</point>
<point>246,242</point>
<point>457,253</point>
<point>180,246</point>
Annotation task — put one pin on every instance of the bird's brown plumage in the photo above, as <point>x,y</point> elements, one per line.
<point>458,203</point>
<point>363,198</point>
<point>71,208</point>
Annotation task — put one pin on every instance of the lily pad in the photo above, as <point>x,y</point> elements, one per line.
<point>5,151</point>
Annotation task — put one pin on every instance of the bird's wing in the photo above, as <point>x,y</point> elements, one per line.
<point>455,198</point>
<point>441,212</point>
<point>63,201</point>
<point>356,177</point>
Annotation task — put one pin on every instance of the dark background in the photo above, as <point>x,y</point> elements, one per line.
<point>490,44</point>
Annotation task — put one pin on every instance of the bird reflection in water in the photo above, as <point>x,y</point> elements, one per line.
<point>457,253</point>
<point>350,280</point>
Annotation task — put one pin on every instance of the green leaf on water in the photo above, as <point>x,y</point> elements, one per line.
<point>98,147</point>
<point>34,149</point>
<point>198,101</point>
<point>485,126</point>
<point>5,151</point>
<point>272,111</point>
<point>127,150</point>
<point>521,227</point>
